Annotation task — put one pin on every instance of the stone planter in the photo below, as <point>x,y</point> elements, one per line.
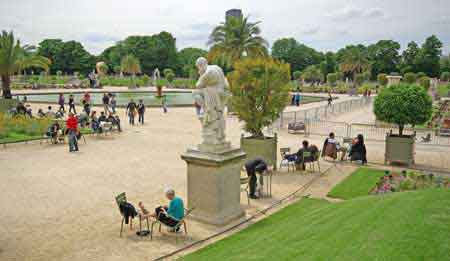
<point>257,147</point>
<point>399,149</point>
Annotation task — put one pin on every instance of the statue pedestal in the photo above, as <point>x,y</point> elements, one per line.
<point>213,184</point>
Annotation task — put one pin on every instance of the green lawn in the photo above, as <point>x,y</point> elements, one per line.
<point>397,226</point>
<point>359,183</point>
<point>443,90</point>
<point>21,137</point>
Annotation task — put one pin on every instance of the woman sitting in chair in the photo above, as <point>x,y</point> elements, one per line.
<point>172,214</point>
<point>358,150</point>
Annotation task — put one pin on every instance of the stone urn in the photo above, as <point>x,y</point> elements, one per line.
<point>399,149</point>
<point>265,148</point>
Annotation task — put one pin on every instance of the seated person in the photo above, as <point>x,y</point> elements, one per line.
<point>40,113</point>
<point>252,167</point>
<point>29,111</point>
<point>95,124</point>
<point>53,131</point>
<point>172,214</point>
<point>358,150</point>
<point>299,155</point>
<point>21,109</point>
<point>115,121</point>
<point>83,119</point>
<point>50,113</point>
<point>102,117</point>
<point>326,151</point>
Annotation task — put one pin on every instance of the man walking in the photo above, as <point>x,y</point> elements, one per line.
<point>72,129</point>
<point>61,102</point>
<point>105,101</point>
<point>72,104</point>
<point>131,111</point>
<point>141,111</point>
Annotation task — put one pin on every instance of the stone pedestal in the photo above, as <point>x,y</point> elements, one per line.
<point>213,184</point>
<point>393,80</point>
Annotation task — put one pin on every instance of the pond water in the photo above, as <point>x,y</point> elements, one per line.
<point>122,98</point>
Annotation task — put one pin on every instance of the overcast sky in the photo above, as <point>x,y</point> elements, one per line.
<point>322,24</point>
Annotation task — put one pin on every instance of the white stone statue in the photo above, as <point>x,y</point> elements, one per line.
<point>211,94</point>
<point>156,76</point>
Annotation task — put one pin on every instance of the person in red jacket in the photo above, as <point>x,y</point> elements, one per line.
<point>72,130</point>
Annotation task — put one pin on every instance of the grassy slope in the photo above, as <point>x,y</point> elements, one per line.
<point>359,183</point>
<point>398,226</point>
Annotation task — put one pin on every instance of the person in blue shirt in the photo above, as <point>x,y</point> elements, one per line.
<point>173,213</point>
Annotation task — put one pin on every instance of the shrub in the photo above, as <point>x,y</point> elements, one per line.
<point>410,78</point>
<point>167,71</point>
<point>260,92</point>
<point>359,79</point>
<point>297,75</point>
<point>332,78</point>
<point>403,104</point>
<point>58,73</point>
<point>425,82</point>
<point>342,88</point>
<point>366,75</point>
<point>382,79</point>
<point>420,75</point>
<point>145,80</point>
<point>339,76</point>
<point>445,76</point>
<point>117,69</point>
<point>170,76</point>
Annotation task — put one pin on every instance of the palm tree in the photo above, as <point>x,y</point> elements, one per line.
<point>236,38</point>
<point>354,61</point>
<point>131,65</point>
<point>15,58</point>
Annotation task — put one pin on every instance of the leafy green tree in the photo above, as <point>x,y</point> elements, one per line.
<point>328,65</point>
<point>297,75</point>
<point>420,75</point>
<point>52,49</point>
<point>186,59</point>
<point>410,78</point>
<point>155,51</point>
<point>445,76</point>
<point>332,78</point>
<point>409,58</point>
<point>445,63</point>
<point>384,56</point>
<point>313,74</point>
<point>131,65</point>
<point>382,79</point>
<point>260,92</point>
<point>428,59</point>
<point>353,60</point>
<point>236,38</point>
<point>402,105</point>
<point>14,58</point>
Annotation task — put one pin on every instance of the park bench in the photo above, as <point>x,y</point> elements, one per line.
<point>295,127</point>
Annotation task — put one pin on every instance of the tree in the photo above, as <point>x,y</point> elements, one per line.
<point>354,60</point>
<point>260,92</point>
<point>131,65</point>
<point>328,65</point>
<point>187,58</point>
<point>68,56</point>
<point>428,59</point>
<point>236,38</point>
<point>154,51</point>
<point>332,78</point>
<point>297,75</point>
<point>14,58</point>
<point>445,64</point>
<point>409,58</point>
<point>445,76</point>
<point>410,78</point>
<point>312,74</point>
<point>384,56</point>
<point>402,105</point>
<point>299,56</point>
<point>382,79</point>
<point>359,79</point>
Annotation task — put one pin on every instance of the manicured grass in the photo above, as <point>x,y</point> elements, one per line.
<point>397,226</point>
<point>359,183</point>
<point>443,90</point>
<point>14,137</point>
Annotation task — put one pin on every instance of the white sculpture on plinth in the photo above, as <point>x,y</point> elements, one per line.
<point>211,94</point>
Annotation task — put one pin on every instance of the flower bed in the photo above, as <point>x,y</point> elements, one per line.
<point>406,181</point>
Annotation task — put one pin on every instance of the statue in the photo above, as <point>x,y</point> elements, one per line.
<point>156,76</point>
<point>211,94</point>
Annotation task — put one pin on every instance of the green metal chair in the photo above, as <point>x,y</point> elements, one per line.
<point>120,199</point>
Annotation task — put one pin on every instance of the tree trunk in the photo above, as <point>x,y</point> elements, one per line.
<point>6,82</point>
<point>400,130</point>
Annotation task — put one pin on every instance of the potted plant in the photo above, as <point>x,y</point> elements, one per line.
<point>260,92</point>
<point>402,105</point>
